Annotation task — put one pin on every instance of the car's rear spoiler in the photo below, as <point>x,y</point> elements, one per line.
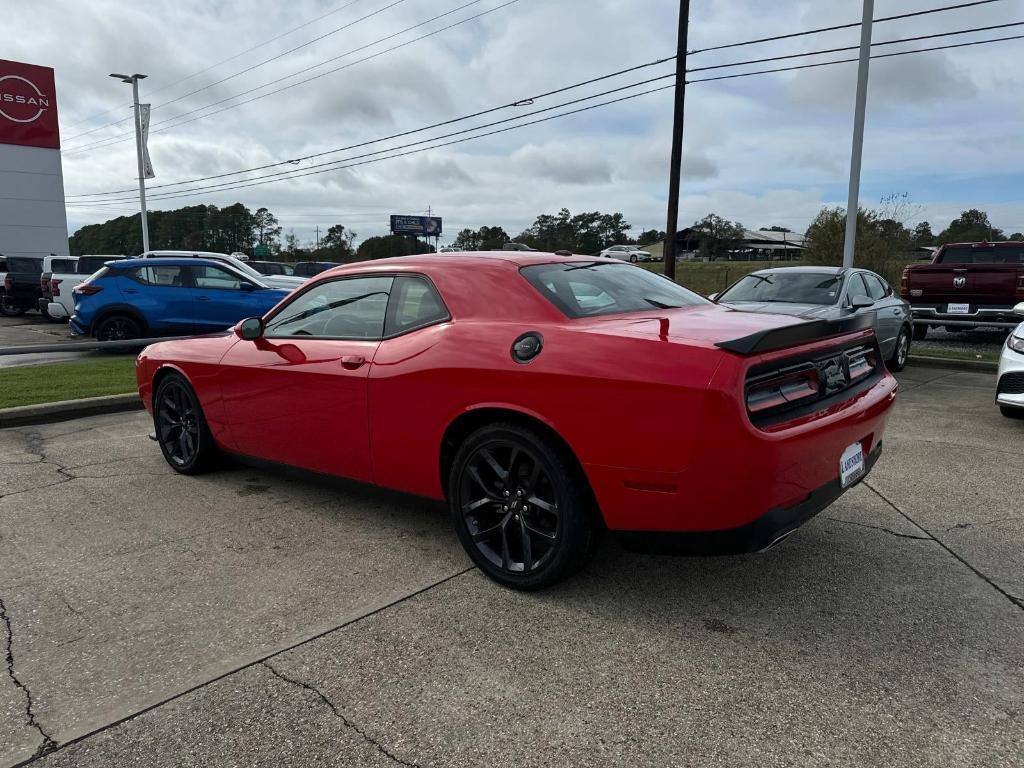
<point>793,335</point>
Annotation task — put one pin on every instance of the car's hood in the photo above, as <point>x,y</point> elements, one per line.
<point>810,311</point>
<point>704,325</point>
<point>288,282</point>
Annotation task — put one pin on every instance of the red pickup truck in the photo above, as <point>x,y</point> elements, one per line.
<point>966,286</point>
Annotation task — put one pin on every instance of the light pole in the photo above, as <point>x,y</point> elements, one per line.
<point>134,81</point>
<point>852,202</point>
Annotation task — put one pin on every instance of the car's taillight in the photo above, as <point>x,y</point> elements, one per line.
<point>787,388</point>
<point>44,283</point>
<point>55,287</point>
<point>862,363</point>
<point>905,283</point>
<point>8,283</point>
<point>1020,284</point>
<point>87,289</point>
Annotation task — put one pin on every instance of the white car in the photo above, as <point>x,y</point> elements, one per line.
<point>1010,380</point>
<point>56,284</point>
<point>272,281</point>
<point>627,253</point>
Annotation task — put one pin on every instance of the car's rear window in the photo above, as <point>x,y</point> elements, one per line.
<point>785,288</point>
<point>606,288</point>
<point>62,265</point>
<point>974,254</point>
<point>23,264</point>
<point>89,264</point>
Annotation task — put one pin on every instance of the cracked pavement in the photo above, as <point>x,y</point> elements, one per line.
<point>259,617</point>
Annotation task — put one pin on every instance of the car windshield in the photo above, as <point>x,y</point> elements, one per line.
<point>785,288</point>
<point>983,254</point>
<point>606,287</point>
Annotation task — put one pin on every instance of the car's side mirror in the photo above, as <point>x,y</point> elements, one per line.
<point>248,287</point>
<point>1019,309</point>
<point>861,302</point>
<point>250,329</point>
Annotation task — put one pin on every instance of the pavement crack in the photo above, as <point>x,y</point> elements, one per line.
<point>1018,602</point>
<point>340,715</point>
<point>48,744</point>
<point>963,526</point>
<point>881,528</point>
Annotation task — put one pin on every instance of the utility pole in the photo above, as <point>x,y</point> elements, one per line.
<point>853,202</point>
<point>318,237</point>
<point>134,81</point>
<point>677,142</point>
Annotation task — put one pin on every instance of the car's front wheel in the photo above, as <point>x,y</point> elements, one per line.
<point>900,352</point>
<point>181,428</point>
<point>118,328</point>
<point>521,509</point>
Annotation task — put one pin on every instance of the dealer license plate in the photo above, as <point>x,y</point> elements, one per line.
<point>958,309</point>
<point>851,465</point>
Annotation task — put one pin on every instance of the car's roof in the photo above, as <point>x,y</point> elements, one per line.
<point>801,270</point>
<point>469,259</point>
<point>189,254</point>
<point>984,244</point>
<point>166,261</point>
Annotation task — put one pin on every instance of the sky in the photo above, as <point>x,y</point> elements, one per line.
<point>944,128</point>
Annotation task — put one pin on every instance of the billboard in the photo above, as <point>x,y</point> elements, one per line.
<point>28,106</point>
<point>421,226</point>
<point>33,221</point>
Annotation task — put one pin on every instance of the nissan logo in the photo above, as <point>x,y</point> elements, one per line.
<point>14,97</point>
<point>959,282</point>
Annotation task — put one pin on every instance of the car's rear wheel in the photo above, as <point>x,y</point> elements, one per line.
<point>521,509</point>
<point>633,258</point>
<point>118,328</point>
<point>900,352</point>
<point>181,428</point>
<point>9,309</point>
<point>920,332</point>
<point>1011,413</point>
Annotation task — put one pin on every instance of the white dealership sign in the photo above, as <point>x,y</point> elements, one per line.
<point>32,217</point>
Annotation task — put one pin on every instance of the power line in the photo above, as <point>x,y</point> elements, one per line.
<point>255,66</point>
<point>518,102</point>
<point>111,140</point>
<point>841,26</point>
<point>163,88</point>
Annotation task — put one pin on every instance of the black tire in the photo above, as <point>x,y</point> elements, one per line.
<point>900,352</point>
<point>9,309</point>
<point>541,500</point>
<point>181,428</point>
<point>633,259</point>
<point>1011,413</point>
<point>118,328</point>
<point>920,332</point>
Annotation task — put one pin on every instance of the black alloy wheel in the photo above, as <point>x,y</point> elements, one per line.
<point>519,508</point>
<point>181,428</point>
<point>118,328</point>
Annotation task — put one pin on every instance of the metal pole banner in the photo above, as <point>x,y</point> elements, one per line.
<point>147,164</point>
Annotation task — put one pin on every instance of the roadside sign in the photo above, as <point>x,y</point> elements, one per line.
<point>261,251</point>
<point>421,226</point>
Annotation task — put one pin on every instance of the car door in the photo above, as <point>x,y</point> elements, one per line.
<point>221,297</point>
<point>162,296</point>
<point>889,311</point>
<point>298,394</point>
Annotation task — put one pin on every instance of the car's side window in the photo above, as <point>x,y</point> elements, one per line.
<point>857,289</point>
<point>167,277</point>
<point>876,289</point>
<point>207,276</point>
<point>414,304</point>
<point>352,308</point>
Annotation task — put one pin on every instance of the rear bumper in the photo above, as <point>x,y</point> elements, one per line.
<point>77,329</point>
<point>991,315</point>
<point>757,535</point>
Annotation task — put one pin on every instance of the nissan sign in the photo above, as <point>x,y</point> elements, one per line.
<point>28,106</point>
<point>421,226</point>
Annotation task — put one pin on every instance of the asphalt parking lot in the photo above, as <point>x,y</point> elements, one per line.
<point>262,618</point>
<point>33,329</point>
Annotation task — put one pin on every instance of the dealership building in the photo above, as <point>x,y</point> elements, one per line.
<point>33,221</point>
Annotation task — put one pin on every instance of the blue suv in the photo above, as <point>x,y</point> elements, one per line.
<point>132,298</point>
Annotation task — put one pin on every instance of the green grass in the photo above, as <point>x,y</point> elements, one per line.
<point>706,277</point>
<point>66,381</point>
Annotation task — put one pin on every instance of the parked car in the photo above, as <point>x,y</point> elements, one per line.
<point>311,268</point>
<point>274,281</point>
<point>270,268</point>
<point>134,298</point>
<point>449,249</point>
<point>515,247</point>
<point>1010,379</point>
<point>58,301</point>
<point>828,293</point>
<point>485,380</point>
<point>21,285</point>
<point>627,253</point>
<point>60,265</point>
<point>966,286</point>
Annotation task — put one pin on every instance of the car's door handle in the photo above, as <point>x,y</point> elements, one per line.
<point>352,362</point>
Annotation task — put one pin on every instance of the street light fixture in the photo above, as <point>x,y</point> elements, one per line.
<point>133,80</point>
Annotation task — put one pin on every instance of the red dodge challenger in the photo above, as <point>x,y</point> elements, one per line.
<point>545,398</point>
